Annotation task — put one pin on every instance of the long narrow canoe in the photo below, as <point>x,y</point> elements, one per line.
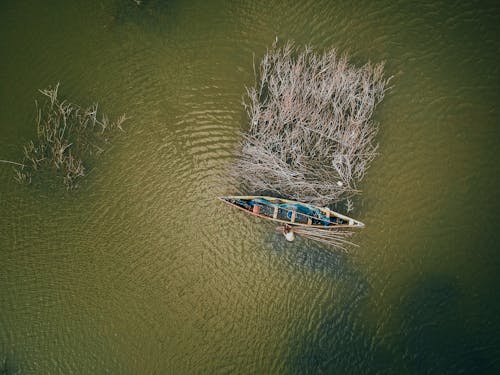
<point>291,212</point>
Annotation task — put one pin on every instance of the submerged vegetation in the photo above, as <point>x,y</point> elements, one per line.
<point>67,137</point>
<point>6,368</point>
<point>335,237</point>
<point>311,135</point>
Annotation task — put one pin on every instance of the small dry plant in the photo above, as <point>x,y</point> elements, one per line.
<point>67,135</point>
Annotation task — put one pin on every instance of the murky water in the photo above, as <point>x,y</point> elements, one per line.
<point>142,271</point>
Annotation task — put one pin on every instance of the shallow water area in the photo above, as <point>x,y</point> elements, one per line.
<point>142,270</point>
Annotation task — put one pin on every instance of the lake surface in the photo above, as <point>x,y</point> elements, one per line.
<point>143,271</point>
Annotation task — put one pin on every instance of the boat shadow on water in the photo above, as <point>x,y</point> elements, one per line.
<point>340,342</point>
<point>310,255</point>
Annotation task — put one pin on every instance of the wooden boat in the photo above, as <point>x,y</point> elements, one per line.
<point>291,212</point>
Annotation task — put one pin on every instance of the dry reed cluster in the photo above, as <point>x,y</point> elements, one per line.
<point>67,135</point>
<point>311,135</point>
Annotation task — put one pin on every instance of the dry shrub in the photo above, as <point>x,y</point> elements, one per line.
<point>67,136</point>
<point>311,135</point>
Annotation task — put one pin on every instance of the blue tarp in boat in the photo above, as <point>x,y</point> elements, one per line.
<point>297,207</point>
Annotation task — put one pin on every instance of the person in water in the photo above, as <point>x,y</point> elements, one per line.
<point>288,233</point>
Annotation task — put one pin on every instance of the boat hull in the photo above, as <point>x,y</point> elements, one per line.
<point>290,212</point>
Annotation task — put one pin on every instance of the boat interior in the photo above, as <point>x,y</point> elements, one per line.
<point>295,213</point>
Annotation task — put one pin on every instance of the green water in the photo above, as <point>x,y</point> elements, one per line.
<point>142,271</point>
